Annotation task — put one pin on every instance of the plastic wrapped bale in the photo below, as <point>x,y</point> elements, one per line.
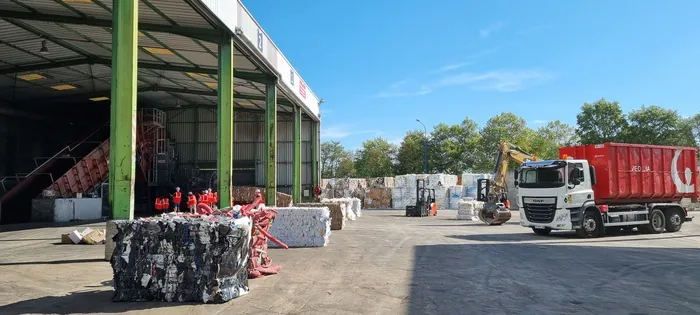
<point>440,180</point>
<point>469,209</point>
<point>357,207</point>
<point>455,195</point>
<point>402,197</point>
<point>181,259</point>
<point>442,197</point>
<point>337,210</point>
<point>378,198</point>
<point>349,214</point>
<point>302,227</point>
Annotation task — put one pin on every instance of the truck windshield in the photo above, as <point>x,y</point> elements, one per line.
<point>542,177</point>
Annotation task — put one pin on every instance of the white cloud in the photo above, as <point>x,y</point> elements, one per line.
<point>394,92</point>
<point>490,29</point>
<point>498,80</point>
<point>454,66</point>
<point>468,60</point>
<point>344,131</point>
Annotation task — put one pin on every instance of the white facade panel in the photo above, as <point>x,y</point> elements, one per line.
<point>226,10</point>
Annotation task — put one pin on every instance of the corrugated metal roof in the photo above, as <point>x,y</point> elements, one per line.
<point>21,39</point>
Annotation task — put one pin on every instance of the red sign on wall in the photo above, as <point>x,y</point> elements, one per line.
<point>302,89</point>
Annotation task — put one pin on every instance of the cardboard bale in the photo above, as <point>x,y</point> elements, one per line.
<point>246,195</point>
<point>378,198</point>
<point>349,212</point>
<point>301,227</point>
<point>94,237</point>
<point>178,259</point>
<point>284,200</point>
<point>337,210</point>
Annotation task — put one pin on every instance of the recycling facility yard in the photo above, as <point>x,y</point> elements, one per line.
<point>386,263</point>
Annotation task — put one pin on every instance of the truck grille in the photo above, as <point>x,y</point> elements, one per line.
<point>540,213</point>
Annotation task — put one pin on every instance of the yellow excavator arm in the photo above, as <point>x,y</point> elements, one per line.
<point>507,153</point>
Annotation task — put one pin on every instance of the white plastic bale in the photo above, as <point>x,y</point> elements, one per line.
<point>468,210</point>
<point>357,207</point>
<point>442,197</point>
<point>402,197</point>
<point>456,194</point>
<point>349,203</point>
<point>301,227</point>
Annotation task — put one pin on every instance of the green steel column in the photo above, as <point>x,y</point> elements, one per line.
<point>314,152</point>
<point>296,185</point>
<point>122,145</point>
<point>271,144</point>
<point>224,165</point>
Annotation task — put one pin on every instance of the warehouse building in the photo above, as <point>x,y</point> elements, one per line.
<point>116,102</point>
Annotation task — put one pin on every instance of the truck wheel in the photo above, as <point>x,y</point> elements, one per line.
<point>591,225</point>
<point>674,220</point>
<point>657,222</point>
<point>542,232</point>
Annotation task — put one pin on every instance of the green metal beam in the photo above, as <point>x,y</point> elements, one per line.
<point>315,143</point>
<point>122,146</point>
<point>224,150</point>
<point>205,34</point>
<point>271,144</point>
<point>296,184</point>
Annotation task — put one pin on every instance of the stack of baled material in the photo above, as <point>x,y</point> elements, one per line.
<point>181,259</point>
<point>349,206</point>
<point>469,209</point>
<point>456,194</point>
<point>246,195</point>
<point>337,210</point>
<point>302,226</point>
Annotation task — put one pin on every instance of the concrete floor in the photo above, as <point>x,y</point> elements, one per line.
<point>385,263</point>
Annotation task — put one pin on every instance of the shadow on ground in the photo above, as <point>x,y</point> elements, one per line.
<point>542,279</point>
<point>53,262</point>
<point>566,237</point>
<point>84,302</point>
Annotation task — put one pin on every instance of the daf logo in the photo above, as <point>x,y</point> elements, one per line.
<point>537,200</point>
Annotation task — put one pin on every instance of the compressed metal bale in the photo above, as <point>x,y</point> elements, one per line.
<point>349,213</point>
<point>337,210</point>
<point>181,259</point>
<point>301,227</point>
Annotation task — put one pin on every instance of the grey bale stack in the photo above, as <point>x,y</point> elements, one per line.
<point>301,227</point>
<point>181,259</point>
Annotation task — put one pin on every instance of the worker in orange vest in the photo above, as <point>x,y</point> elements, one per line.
<point>159,204</point>
<point>204,197</point>
<point>191,202</point>
<point>166,203</point>
<point>210,195</point>
<point>177,199</point>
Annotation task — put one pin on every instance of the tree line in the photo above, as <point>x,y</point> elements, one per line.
<point>464,147</point>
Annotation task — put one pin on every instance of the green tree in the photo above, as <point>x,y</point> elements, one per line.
<point>656,125</point>
<point>602,121</point>
<point>332,153</point>
<point>453,147</point>
<point>549,138</point>
<point>691,125</point>
<point>409,158</point>
<point>503,127</point>
<point>346,165</point>
<point>375,158</point>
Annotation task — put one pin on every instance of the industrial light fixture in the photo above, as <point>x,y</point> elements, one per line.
<point>63,87</point>
<point>99,98</point>
<point>44,49</point>
<point>31,76</point>
<point>159,51</point>
<point>212,85</point>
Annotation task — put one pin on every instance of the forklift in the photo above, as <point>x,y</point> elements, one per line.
<point>425,201</point>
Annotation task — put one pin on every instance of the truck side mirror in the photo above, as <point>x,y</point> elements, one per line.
<point>515,175</point>
<point>575,181</point>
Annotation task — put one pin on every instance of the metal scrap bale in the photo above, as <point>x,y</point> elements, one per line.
<point>337,210</point>
<point>178,259</point>
<point>301,227</point>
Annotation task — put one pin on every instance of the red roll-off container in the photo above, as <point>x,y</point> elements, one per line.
<point>638,173</point>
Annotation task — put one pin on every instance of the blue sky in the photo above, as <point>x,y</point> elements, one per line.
<point>381,64</point>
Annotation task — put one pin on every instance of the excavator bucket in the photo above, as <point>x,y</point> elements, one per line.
<point>494,214</point>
